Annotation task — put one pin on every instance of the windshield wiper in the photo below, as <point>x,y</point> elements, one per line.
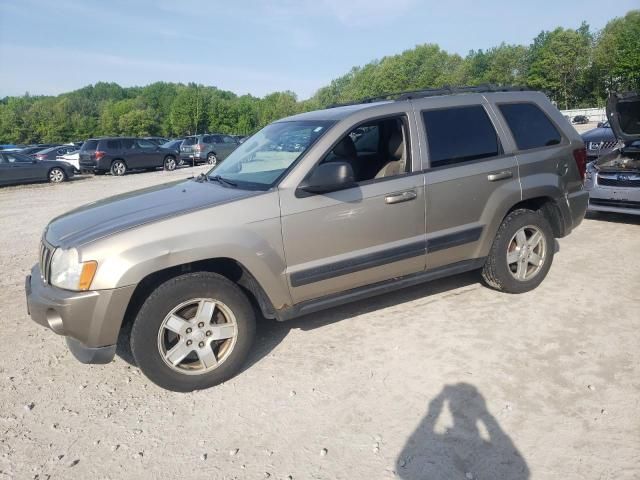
<point>222,180</point>
<point>201,178</point>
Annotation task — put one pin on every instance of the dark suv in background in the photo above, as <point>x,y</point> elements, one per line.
<point>209,147</point>
<point>121,154</point>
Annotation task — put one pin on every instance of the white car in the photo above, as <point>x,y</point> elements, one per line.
<point>72,158</point>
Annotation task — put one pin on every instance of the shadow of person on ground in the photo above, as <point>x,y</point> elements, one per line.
<point>472,447</point>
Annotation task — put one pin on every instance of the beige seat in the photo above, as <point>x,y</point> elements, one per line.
<point>397,154</point>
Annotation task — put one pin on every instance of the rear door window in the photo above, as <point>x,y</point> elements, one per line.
<point>89,145</point>
<point>460,134</point>
<point>113,145</point>
<point>530,126</point>
<point>127,143</point>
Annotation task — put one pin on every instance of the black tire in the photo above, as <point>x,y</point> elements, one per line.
<point>170,163</point>
<point>497,273</point>
<point>118,168</point>
<point>146,326</point>
<point>212,159</point>
<point>56,175</point>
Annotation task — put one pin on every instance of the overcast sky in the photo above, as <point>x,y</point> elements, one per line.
<point>53,46</point>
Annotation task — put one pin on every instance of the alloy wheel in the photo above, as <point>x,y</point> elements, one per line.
<point>526,253</point>
<point>197,336</point>
<point>56,175</point>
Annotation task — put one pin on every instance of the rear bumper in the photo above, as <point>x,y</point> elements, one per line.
<point>90,320</point>
<point>191,158</point>
<point>574,210</point>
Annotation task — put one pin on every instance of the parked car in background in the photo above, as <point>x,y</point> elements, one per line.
<point>599,141</point>
<point>52,152</point>
<point>18,168</point>
<point>580,119</point>
<point>157,140</point>
<point>173,145</point>
<point>613,180</point>
<point>121,154</point>
<point>288,233</point>
<point>33,149</point>
<point>72,158</point>
<point>240,138</point>
<point>10,147</point>
<point>209,147</point>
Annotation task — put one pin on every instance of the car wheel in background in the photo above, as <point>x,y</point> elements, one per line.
<point>118,168</point>
<point>521,254</point>
<point>193,332</point>
<point>212,159</point>
<point>170,163</point>
<point>57,175</point>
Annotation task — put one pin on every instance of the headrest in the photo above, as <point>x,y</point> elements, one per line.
<point>345,148</point>
<point>396,145</point>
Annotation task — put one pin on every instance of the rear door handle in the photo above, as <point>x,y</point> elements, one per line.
<point>400,197</point>
<point>493,177</point>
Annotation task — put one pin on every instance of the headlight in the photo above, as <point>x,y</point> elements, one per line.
<point>67,272</point>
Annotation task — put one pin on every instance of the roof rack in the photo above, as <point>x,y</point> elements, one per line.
<point>435,92</point>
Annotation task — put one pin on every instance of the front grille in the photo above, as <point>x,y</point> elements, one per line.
<point>46,252</point>
<point>614,203</point>
<point>619,180</point>
<point>608,145</point>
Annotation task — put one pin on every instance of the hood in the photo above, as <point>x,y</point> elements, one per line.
<point>122,212</point>
<point>623,112</point>
<point>598,134</point>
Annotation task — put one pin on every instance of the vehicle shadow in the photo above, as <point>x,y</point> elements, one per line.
<point>473,447</point>
<point>269,333</point>
<point>614,217</point>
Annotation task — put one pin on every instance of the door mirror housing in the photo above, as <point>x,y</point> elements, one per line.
<point>329,177</point>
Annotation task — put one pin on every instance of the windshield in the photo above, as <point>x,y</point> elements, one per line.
<point>262,159</point>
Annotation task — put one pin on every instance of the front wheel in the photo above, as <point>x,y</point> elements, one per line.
<point>193,332</point>
<point>118,168</point>
<point>212,159</point>
<point>521,254</point>
<point>57,175</point>
<point>170,163</point>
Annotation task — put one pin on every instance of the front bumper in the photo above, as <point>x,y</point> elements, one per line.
<point>614,199</point>
<point>90,320</point>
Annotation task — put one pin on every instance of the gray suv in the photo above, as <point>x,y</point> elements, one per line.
<point>209,148</point>
<point>313,211</point>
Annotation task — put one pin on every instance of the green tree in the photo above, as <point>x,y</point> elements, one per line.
<point>617,53</point>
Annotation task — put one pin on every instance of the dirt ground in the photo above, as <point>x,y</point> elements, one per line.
<point>444,380</point>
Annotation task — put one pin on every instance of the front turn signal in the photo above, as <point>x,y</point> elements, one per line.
<point>86,277</point>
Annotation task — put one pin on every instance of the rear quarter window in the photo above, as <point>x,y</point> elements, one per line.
<point>460,134</point>
<point>113,145</point>
<point>90,145</point>
<point>529,125</point>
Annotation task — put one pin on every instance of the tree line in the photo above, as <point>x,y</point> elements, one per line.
<point>576,67</point>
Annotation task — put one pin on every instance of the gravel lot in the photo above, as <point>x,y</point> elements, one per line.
<point>444,380</point>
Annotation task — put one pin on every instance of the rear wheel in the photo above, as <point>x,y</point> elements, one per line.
<point>521,254</point>
<point>193,332</point>
<point>57,175</point>
<point>170,163</point>
<point>212,159</point>
<point>118,168</point>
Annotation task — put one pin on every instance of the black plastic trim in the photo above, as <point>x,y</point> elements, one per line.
<point>360,293</point>
<point>93,355</point>
<point>362,262</point>
<point>451,240</point>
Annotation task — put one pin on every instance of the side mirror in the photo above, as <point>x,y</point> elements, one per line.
<point>329,177</point>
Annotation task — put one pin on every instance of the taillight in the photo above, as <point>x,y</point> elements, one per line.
<point>40,156</point>
<point>580,156</point>
<point>198,147</point>
<point>99,154</point>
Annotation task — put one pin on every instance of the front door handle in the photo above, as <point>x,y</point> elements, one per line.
<point>492,177</point>
<point>400,197</point>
